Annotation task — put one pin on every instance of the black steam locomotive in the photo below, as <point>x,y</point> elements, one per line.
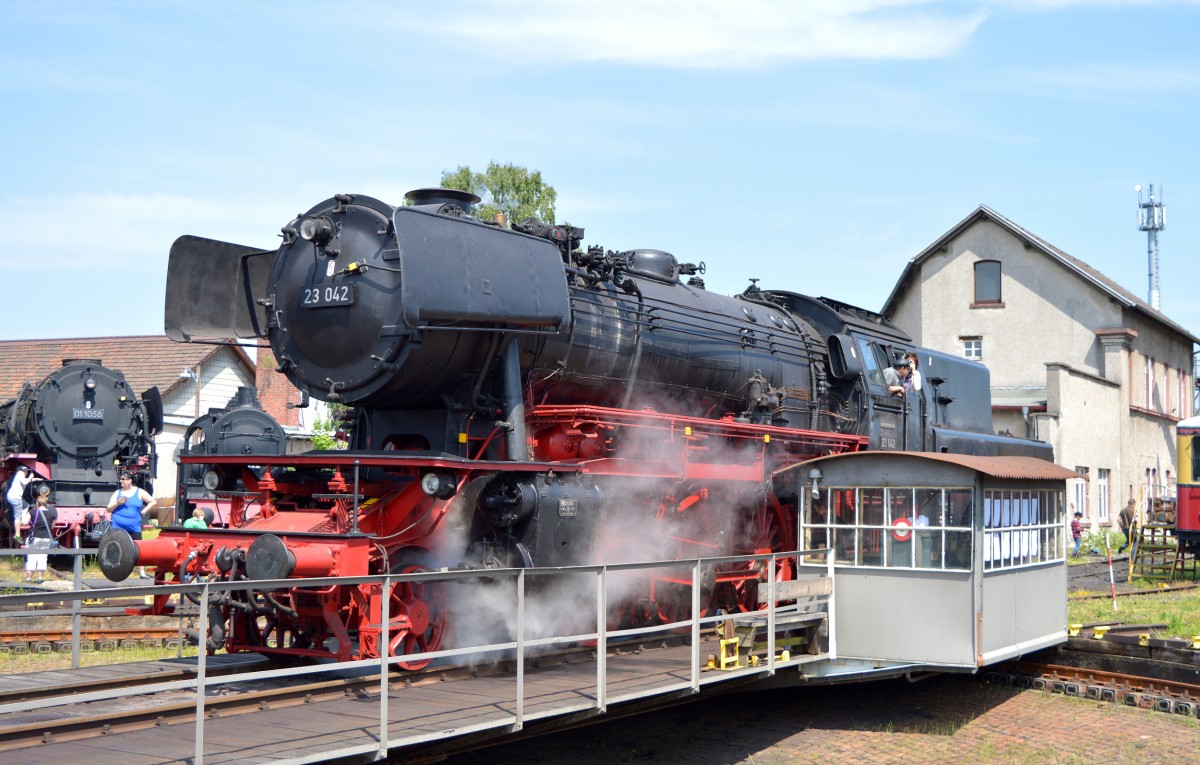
<point>512,399</point>
<point>78,428</point>
<point>425,319</point>
<point>240,428</point>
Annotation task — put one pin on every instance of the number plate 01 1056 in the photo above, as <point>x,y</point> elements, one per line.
<point>328,296</point>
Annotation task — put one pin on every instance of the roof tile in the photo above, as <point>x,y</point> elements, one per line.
<point>146,361</point>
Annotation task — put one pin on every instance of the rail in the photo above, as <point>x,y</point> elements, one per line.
<point>517,646</point>
<point>75,609</point>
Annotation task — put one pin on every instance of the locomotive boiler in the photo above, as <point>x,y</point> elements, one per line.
<point>79,427</point>
<point>511,399</point>
<point>241,428</point>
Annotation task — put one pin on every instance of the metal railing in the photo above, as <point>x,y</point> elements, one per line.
<point>520,644</point>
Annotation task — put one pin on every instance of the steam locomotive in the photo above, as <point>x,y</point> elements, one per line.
<point>240,428</point>
<point>77,429</point>
<point>511,399</point>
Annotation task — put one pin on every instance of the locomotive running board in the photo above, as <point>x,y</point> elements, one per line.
<point>211,289</point>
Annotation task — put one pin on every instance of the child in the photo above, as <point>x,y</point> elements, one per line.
<point>1077,532</point>
<point>196,521</point>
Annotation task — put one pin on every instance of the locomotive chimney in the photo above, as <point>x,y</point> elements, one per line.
<point>463,200</point>
<point>245,397</point>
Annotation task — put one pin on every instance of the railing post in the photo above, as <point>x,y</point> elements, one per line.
<point>76,616</point>
<point>771,604</point>
<point>520,650</point>
<point>602,640</point>
<point>201,668</point>
<point>354,505</point>
<point>696,626</point>
<point>385,651</point>
<point>830,620</point>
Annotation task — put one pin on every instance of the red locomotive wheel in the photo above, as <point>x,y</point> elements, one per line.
<point>418,617</point>
<point>770,530</point>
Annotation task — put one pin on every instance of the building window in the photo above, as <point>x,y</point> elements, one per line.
<point>1079,492</point>
<point>973,348</point>
<point>1181,395</point>
<point>1153,399</point>
<point>987,281</point>
<point>1102,476</point>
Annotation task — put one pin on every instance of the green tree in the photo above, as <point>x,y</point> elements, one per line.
<point>326,425</point>
<point>510,189</point>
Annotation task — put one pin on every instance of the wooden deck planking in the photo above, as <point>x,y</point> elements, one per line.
<point>437,709</point>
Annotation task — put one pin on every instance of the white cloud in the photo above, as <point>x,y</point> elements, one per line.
<point>703,34</point>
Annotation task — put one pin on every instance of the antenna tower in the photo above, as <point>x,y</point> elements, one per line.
<point>1152,218</point>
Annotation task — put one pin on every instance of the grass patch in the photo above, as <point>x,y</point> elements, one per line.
<point>17,664</point>
<point>1179,610</point>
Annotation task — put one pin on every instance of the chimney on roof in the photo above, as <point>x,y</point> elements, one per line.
<point>275,391</point>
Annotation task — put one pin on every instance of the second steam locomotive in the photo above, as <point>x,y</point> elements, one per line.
<point>77,428</point>
<point>513,400</point>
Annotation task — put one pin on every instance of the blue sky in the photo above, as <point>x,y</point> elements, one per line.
<point>817,146</point>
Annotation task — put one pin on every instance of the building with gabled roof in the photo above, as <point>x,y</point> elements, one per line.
<point>191,379</point>
<point>1076,359</point>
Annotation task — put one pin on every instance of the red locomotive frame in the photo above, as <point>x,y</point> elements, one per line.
<point>694,472</point>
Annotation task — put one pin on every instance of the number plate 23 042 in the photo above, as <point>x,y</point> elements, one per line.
<point>328,296</point>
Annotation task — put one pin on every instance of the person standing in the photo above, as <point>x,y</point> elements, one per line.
<point>1077,532</point>
<point>16,498</point>
<point>1125,519</point>
<point>41,534</point>
<point>128,505</point>
<point>913,381</point>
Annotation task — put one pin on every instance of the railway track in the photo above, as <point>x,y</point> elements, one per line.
<point>51,640</point>
<point>1117,669</point>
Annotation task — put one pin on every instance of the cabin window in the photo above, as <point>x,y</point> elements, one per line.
<point>1022,528</point>
<point>873,371</point>
<point>893,527</point>
<point>987,282</point>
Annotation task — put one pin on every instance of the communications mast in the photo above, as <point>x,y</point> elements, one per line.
<point>1152,218</point>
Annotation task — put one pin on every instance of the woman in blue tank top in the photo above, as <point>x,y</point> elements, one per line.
<point>127,506</point>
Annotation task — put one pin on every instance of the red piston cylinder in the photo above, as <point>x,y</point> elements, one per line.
<point>312,561</point>
<point>162,552</point>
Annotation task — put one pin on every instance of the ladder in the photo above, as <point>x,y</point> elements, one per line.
<point>1156,555</point>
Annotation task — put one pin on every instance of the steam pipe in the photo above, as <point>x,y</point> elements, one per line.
<point>514,404</point>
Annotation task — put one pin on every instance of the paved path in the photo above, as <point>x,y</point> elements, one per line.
<point>951,719</point>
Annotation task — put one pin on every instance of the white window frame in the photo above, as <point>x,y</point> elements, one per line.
<point>973,348</point>
<point>1103,476</point>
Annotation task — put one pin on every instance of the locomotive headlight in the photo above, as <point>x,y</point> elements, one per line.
<point>316,230</point>
<point>90,383</point>
<point>438,485</point>
<point>212,480</point>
